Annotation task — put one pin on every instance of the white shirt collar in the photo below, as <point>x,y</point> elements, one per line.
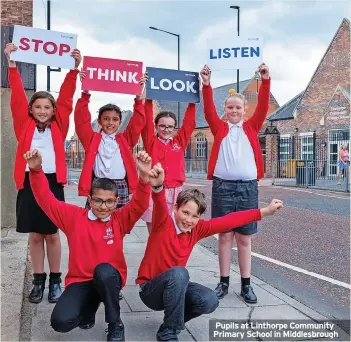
<point>165,141</point>
<point>239,124</point>
<point>175,225</point>
<point>92,217</point>
<point>110,136</point>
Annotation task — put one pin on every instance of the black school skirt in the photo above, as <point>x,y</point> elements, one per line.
<point>29,216</point>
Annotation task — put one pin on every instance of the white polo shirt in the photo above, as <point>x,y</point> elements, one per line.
<point>236,160</point>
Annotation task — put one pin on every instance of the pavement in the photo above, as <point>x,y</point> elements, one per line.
<point>24,321</point>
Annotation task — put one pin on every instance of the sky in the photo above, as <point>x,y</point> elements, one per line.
<point>295,35</point>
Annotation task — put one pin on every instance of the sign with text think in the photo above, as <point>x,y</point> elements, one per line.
<point>234,53</point>
<point>44,47</point>
<point>172,85</point>
<point>112,75</point>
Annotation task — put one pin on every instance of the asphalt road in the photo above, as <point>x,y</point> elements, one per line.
<point>311,232</point>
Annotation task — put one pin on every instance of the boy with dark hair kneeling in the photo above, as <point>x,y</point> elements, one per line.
<point>97,268</point>
<point>163,278</point>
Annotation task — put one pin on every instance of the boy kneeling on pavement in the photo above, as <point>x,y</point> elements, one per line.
<point>163,278</point>
<point>97,269</point>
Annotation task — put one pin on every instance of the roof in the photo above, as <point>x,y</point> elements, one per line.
<point>286,111</point>
<point>219,96</point>
<point>344,21</point>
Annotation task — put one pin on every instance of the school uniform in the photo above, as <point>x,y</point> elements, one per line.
<point>162,273</point>
<point>169,153</point>
<point>50,143</point>
<point>97,269</point>
<point>108,155</point>
<point>236,162</point>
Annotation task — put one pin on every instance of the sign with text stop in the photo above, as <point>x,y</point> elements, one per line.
<point>172,85</point>
<point>44,47</point>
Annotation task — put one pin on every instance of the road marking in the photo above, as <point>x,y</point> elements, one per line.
<point>313,193</point>
<point>298,269</point>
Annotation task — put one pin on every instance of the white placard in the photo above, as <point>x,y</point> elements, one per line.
<point>233,52</point>
<point>44,47</point>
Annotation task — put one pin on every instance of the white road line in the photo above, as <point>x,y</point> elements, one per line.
<point>298,269</point>
<point>312,192</point>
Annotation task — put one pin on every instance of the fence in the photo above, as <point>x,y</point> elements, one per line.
<point>308,161</point>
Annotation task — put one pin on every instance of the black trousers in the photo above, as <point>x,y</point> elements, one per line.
<point>80,301</point>
<point>180,299</point>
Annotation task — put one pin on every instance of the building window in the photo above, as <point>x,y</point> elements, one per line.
<point>201,146</point>
<point>284,145</point>
<point>307,147</point>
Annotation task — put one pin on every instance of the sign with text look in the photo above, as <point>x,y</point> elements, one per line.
<point>172,85</point>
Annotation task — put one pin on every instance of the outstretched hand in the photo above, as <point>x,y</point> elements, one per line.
<point>205,75</point>
<point>156,175</point>
<point>264,71</point>
<point>77,56</point>
<point>142,82</point>
<point>272,208</point>
<point>143,163</point>
<point>34,159</point>
<point>7,51</point>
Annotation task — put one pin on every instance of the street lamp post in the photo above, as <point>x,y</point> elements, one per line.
<point>237,70</point>
<point>178,37</point>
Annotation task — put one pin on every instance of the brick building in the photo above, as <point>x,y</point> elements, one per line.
<point>315,123</point>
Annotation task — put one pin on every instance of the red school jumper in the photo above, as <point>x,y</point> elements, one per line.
<point>251,127</point>
<point>24,125</point>
<point>90,242</point>
<point>170,155</point>
<point>91,142</point>
<point>166,249</point>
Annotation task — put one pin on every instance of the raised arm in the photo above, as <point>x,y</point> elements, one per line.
<point>188,126</point>
<point>136,124</point>
<point>60,213</point>
<point>82,120</point>
<point>18,101</point>
<point>137,121</point>
<point>148,132</point>
<point>64,101</point>
<point>211,116</point>
<point>257,119</point>
<point>217,225</point>
<point>132,212</point>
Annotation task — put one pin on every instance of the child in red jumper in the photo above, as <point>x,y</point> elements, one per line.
<point>235,165</point>
<point>42,124</point>
<point>163,278</point>
<point>168,149</point>
<point>108,154</point>
<point>97,268</point>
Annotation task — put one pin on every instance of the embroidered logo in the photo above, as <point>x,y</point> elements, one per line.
<point>175,147</point>
<point>109,234</point>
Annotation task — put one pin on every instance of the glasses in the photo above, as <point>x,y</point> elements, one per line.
<point>164,127</point>
<point>98,202</point>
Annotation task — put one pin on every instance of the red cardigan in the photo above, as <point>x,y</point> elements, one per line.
<point>251,127</point>
<point>91,142</point>
<point>166,249</point>
<point>24,125</point>
<point>170,156</point>
<point>89,241</point>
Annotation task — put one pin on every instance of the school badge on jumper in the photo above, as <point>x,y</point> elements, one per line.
<point>109,234</point>
<point>175,147</point>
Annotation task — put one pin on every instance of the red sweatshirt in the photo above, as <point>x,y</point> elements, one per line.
<point>89,241</point>
<point>166,249</point>
<point>91,142</point>
<point>24,125</point>
<point>251,127</point>
<point>170,156</point>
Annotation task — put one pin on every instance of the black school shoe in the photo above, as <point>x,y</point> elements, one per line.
<point>248,294</point>
<point>37,292</point>
<point>221,290</point>
<point>115,332</point>
<point>167,334</point>
<point>55,290</point>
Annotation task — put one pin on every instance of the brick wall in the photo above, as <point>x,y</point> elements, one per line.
<point>17,12</point>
